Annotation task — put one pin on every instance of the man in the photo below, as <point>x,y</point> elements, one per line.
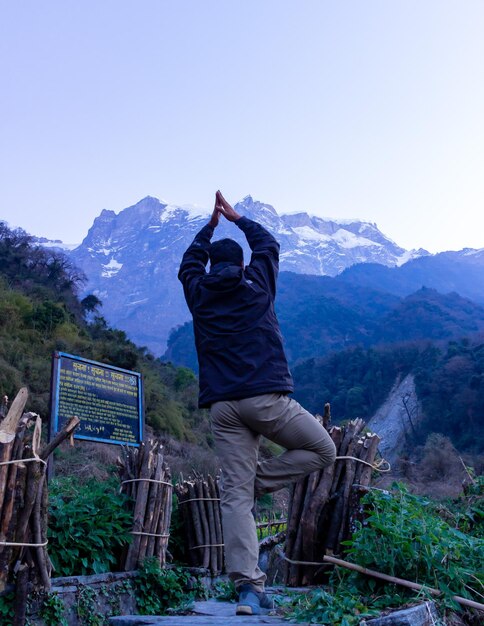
<point>245,380</point>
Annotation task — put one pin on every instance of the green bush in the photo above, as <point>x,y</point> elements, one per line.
<point>331,609</point>
<point>7,613</point>
<point>403,536</point>
<point>53,610</point>
<point>158,590</point>
<point>88,526</point>
<point>468,511</point>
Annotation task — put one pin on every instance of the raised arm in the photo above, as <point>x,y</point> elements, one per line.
<point>192,266</point>
<point>264,261</point>
<point>265,252</point>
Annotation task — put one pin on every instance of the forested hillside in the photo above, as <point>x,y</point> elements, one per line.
<point>449,379</point>
<point>319,315</point>
<point>348,344</point>
<point>461,272</point>
<point>40,312</point>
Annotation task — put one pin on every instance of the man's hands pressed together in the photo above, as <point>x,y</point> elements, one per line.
<point>215,217</point>
<point>224,208</point>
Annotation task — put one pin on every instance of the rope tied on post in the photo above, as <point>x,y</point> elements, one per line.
<point>376,466</point>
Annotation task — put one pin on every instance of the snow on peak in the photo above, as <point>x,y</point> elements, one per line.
<point>347,239</point>
<point>249,204</point>
<point>192,211</point>
<point>308,233</point>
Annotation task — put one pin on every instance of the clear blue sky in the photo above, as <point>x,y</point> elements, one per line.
<point>367,109</point>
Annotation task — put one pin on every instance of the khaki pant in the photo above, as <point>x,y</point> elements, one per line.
<point>237,427</point>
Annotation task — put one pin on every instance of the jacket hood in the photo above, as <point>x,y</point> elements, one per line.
<point>223,277</point>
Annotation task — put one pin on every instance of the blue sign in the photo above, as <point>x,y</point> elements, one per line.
<point>108,400</point>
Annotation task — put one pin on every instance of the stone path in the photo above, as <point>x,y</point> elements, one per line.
<point>215,613</point>
<point>205,613</point>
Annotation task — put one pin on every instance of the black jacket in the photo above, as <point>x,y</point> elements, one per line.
<point>237,336</point>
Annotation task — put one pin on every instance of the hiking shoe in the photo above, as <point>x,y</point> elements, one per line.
<point>252,602</point>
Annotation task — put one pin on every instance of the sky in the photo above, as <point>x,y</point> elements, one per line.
<point>368,109</point>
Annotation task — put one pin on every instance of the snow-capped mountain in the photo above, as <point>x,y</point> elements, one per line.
<point>131,259</point>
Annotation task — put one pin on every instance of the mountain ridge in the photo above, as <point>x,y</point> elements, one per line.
<point>131,258</point>
<point>318,317</point>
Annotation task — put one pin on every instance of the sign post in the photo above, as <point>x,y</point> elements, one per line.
<point>108,400</point>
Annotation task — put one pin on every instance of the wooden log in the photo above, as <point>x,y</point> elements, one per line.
<point>346,472</point>
<point>10,485</point>
<point>36,470</point>
<point>290,507</point>
<point>152,489</point>
<point>181,491</point>
<point>356,514</point>
<point>294,514</point>
<point>212,539</point>
<point>134,461</point>
<point>44,518</point>
<point>351,430</point>
<point>21,595</point>
<point>372,447</point>
<point>424,614</point>
<point>139,509</point>
<point>126,464</point>
<point>197,523</point>
<point>23,510</point>
<point>155,502</point>
<point>34,474</point>
<point>294,569</point>
<point>354,450</point>
<point>305,520</point>
<point>363,457</point>
<point>8,429</point>
<point>13,503</point>
<point>272,540</point>
<point>312,543</point>
<point>61,436</point>
<point>39,536</point>
<point>203,518</point>
<point>164,522</point>
<point>214,492</point>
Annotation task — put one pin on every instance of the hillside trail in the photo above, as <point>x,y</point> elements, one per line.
<point>392,422</point>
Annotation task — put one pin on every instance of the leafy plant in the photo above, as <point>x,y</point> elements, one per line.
<point>86,607</point>
<point>88,526</point>
<point>7,613</point>
<point>224,590</point>
<point>467,513</point>
<point>404,537</point>
<point>52,611</point>
<point>158,590</point>
<point>321,607</point>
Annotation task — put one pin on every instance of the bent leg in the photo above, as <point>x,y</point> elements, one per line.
<point>282,420</point>
<point>237,447</point>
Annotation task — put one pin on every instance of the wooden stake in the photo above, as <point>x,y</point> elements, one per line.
<point>8,428</point>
